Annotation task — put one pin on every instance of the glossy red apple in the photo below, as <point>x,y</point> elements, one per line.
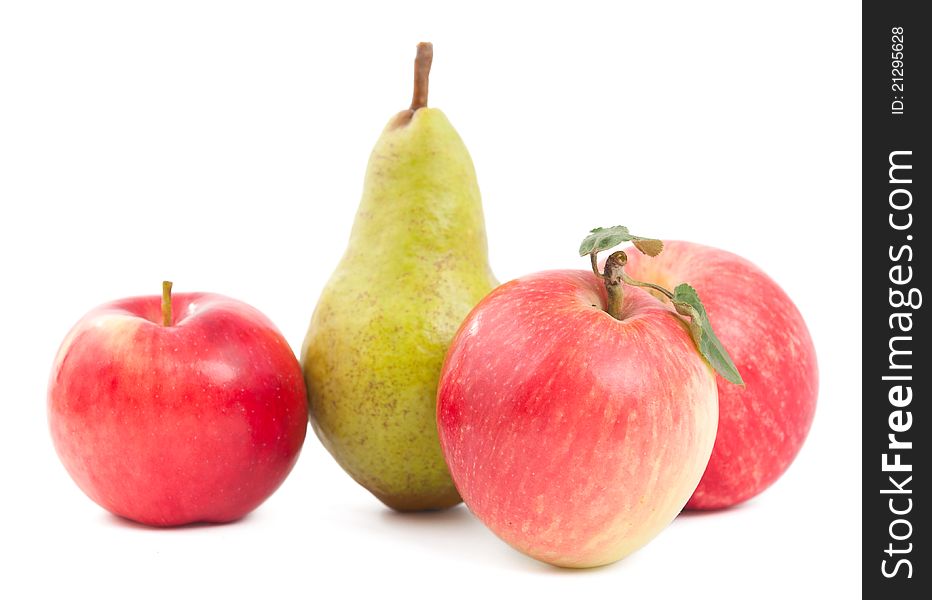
<point>763,425</point>
<point>199,420</point>
<point>575,436</point>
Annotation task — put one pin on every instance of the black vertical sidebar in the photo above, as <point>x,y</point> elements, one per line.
<point>897,373</point>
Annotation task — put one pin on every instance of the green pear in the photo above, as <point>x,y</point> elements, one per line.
<point>416,264</point>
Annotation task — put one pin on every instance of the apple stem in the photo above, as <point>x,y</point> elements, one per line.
<point>425,55</point>
<point>614,277</point>
<point>166,303</point>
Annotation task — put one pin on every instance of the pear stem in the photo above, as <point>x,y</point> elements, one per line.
<point>166,304</point>
<point>425,55</point>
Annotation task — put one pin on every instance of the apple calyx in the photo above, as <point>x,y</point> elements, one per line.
<point>166,304</point>
<point>684,297</point>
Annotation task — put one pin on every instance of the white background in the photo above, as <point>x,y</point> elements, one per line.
<point>222,145</point>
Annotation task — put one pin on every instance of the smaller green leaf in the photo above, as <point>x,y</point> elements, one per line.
<point>687,303</point>
<point>603,238</point>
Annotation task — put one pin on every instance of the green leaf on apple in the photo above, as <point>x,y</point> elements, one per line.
<point>687,303</point>
<point>603,238</point>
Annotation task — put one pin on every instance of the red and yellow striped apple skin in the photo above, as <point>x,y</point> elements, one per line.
<point>575,437</point>
<point>200,421</point>
<point>763,425</point>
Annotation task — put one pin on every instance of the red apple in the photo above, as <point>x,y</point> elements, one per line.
<point>763,425</point>
<point>197,421</point>
<point>575,436</point>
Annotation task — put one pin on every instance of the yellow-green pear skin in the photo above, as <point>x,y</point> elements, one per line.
<point>415,266</point>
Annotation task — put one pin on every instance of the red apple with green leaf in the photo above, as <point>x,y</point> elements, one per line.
<point>763,424</point>
<point>577,411</point>
<point>180,409</point>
